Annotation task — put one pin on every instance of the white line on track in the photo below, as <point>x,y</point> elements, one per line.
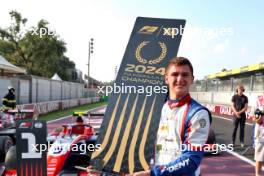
<point>249,161</point>
<point>241,157</point>
<point>250,124</point>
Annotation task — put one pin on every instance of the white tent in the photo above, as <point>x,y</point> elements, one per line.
<point>56,77</point>
<point>8,68</point>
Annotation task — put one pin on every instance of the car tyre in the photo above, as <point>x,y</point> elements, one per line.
<point>11,159</point>
<point>5,143</point>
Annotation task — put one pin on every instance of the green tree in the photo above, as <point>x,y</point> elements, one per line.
<point>41,55</point>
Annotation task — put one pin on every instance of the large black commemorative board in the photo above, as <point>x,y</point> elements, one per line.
<point>128,131</point>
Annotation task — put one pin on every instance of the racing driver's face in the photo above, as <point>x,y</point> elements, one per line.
<point>178,79</point>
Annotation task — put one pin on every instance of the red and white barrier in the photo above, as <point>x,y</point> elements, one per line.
<point>225,110</point>
<point>46,107</point>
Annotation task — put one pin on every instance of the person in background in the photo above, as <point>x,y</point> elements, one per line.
<point>9,100</point>
<point>79,121</point>
<point>257,112</point>
<point>239,107</point>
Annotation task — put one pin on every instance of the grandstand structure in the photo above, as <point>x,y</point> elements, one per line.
<point>251,77</point>
<point>216,90</point>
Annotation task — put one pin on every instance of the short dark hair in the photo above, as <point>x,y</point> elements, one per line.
<point>179,61</point>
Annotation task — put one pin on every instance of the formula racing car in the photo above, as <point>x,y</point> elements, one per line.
<point>7,127</point>
<point>69,146</point>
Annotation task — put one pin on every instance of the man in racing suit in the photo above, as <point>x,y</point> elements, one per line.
<point>183,128</point>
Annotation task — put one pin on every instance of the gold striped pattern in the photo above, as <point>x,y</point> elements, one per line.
<point>131,158</point>
<point>116,134</point>
<point>124,141</point>
<point>144,138</point>
<point>108,131</point>
<point>122,147</point>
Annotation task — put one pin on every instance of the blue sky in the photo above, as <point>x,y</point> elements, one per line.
<point>110,24</point>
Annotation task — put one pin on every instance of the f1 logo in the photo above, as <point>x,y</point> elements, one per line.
<point>148,29</point>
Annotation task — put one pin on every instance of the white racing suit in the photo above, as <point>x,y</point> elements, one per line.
<point>259,128</point>
<point>183,131</point>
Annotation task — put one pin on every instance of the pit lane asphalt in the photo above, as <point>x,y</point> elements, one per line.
<point>226,163</point>
<point>223,130</point>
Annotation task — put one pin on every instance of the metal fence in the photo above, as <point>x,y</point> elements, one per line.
<point>252,83</point>
<point>223,98</point>
<point>33,89</point>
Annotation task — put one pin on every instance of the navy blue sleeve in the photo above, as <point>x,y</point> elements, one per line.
<point>187,163</point>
